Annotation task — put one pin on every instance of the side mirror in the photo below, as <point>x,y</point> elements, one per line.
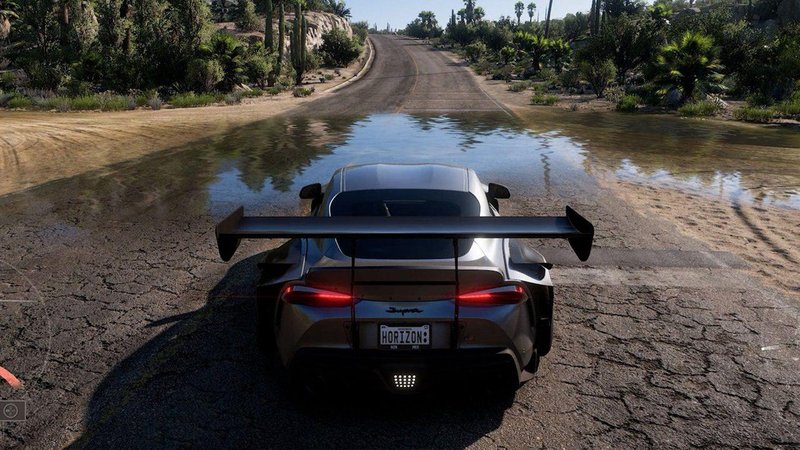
<point>498,191</point>
<point>311,192</point>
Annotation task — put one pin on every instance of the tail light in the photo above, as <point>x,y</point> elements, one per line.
<point>504,295</point>
<point>304,295</point>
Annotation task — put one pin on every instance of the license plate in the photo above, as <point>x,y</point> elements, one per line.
<point>404,337</point>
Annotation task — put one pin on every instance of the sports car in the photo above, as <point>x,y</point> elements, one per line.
<point>405,276</point>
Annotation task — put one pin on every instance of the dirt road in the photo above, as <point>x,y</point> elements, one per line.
<point>133,333</point>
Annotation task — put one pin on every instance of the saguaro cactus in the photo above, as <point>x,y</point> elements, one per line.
<point>298,43</point>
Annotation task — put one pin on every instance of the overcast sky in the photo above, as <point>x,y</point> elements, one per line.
<point>400,12</point>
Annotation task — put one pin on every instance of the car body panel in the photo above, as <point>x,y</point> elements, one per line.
<point>404,291</point>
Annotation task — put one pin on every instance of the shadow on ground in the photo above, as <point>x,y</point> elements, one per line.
<point>203,383</point>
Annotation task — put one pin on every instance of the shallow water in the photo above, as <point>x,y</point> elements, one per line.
<point>545,153</point>
<point>725,160</point>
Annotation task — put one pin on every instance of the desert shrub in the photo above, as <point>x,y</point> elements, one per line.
<point>329,76</point>
<point>519,86</point>
<point>192,100</point>
<point>155,102</point>
<point>790,107</point>
<point>275,90</point>
<point>703,108</point>
<point>338,49</point>
<point>570,79</point>
<point>547,75</point>
<point>598,75</point>
<point>5,97</point>
<point>19,102</point>
<point>628,103</point>
<point>85,103</point>
<point>360,30</point>
<point>258,69</point>
<point>8,81</point>
<point>109,102</point>
<point>204,74</point>
<point>233,98</point>
<point>751,114</point>
<point>475,51</point>
<point>543,99</point>
<point>313,61</point>
<point>302,91</point>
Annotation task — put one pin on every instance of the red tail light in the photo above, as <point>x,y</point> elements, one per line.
<point>504,295</point>
<point>304,295</point>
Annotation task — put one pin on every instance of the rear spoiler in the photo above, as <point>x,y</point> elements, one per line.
<point>572,227</point>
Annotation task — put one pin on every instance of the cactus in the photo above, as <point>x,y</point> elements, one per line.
<point>269,41</point>
<point>298,43</point>
<point>281,36</point>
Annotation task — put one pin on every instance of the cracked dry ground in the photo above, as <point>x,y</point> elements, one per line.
<point>150,348</point>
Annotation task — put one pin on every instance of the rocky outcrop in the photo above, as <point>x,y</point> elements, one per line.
<point>319,24</point>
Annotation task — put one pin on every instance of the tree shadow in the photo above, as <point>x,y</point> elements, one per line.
<point>203,383</point>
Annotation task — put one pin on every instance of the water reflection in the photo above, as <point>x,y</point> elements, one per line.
<point>499,147</point>
<point>727,160</point>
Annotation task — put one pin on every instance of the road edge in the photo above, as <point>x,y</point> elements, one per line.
<point>361,73</point>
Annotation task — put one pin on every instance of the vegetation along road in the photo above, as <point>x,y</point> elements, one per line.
<point>129,331</point>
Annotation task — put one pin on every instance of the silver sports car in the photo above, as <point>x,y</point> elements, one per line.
<point>405,275</point>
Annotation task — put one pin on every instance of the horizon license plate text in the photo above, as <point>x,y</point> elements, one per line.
<point>404,337</point>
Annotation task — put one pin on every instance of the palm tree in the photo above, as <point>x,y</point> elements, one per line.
<point>428,20</point>
<point>462,15</point>
<point>339,8</point>
<point>689,63</point>
<point>519,7</point>
<point>479,14</point>
<point>531,11</point>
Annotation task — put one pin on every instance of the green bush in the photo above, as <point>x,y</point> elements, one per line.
<point>519,86</point>
<point>302,92</point>
<point>85,103</point>
<point>628,103</point>
<point>108,102</point>
<point>247,18</point>
<point>790,107</point>
<point>19,102</point>
<point>750,114</point>
<point>475,51</point>
<point>599,75</point>
<point>192,100</point>
<point>338,49</point>
<point>258,69</point>
<point>204,74</point>
<point>544,99</point>
<point>703,108</point>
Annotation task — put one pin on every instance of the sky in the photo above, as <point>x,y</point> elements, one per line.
<point>399,13</point>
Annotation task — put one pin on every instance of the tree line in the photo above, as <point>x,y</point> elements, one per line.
<point>84,46</point>
<point>670,53</point>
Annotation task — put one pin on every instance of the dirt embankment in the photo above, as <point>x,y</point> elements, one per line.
<point>37,147</point>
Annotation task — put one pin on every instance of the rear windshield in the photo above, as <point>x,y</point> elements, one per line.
<point>405,203</point>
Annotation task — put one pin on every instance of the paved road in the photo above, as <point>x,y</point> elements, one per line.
<point>407,77</point>
<point>135,335</point>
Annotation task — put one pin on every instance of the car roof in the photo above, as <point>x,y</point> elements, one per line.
<point>404,176</point>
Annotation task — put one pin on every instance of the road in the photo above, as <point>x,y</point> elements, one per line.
<point>136,335</point>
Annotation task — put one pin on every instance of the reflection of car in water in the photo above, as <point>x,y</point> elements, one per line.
<point>405,275</point>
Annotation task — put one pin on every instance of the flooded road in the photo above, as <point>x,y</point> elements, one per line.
<point>136,334</point>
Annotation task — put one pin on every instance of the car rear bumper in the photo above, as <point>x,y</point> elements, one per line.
<point>376,368</point>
